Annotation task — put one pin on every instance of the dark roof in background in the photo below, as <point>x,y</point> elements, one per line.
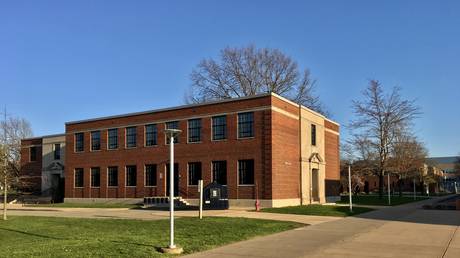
<point>444,160</point>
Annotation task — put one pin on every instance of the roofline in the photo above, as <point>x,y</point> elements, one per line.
<point>168,109</point>
<point>199,105</point>
<point>44,136</point>
<point>304,107</point>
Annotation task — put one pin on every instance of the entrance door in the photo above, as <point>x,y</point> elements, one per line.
<point>314,184</point>
<point>57,188</point>
<point>176,179</point>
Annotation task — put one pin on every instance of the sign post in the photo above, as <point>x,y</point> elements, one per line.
<point>200,190</point>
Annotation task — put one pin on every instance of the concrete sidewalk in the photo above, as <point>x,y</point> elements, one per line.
<point>401,231</point>
<point>124,213</point>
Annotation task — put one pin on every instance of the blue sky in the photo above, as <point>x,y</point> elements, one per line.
<point>69,60</point>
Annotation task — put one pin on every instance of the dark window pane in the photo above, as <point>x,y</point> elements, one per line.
<point>313,135</point>
<point>219,172</point>
<point>194,130</point>
<point>246,172</point>
<point>130,137</point>
<point>172,125</point>
<point>33,153</point>
<point>79,142</point>
<point>219,127</point>
<point>112,176</point>
<point>112,139</point>
<point>151,175</point>
<point>131,175</point>
<point>57,151</point>
<point>245,125</point>
<point>96,140</point>
<point>194,173</point>
<point>151,135</point>
<point>78,180</point>
<point>95,177</point>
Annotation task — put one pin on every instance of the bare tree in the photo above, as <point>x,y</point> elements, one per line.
<point>408,157</point>
<point>248,71</point>
<point>13,130</point>
<point>379,117</point>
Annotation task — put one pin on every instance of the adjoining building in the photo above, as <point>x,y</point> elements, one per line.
<point>451,168</point>
<point>42,166</point>
<point>261,147</point>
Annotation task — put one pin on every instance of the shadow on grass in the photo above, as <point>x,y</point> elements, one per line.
<point>32,234</point>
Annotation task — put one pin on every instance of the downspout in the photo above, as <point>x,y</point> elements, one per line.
<point>300,156</point>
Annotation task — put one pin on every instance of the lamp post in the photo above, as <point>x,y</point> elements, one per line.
<point>172,248</point>
<point>349,188</point>
<point>389,190</point>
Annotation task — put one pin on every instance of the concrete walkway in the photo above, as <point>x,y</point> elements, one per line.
<point>124,213</point>
<point>401,231</point>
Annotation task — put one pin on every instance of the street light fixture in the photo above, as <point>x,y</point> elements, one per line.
<point>172,248</point>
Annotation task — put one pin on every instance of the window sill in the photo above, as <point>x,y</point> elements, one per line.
<point>247,185</point>
<point>246,138</point>
<point>113,186</point>
<point>95,150</point>
<point>114,149</point>
<point>95,187</point>
<point>150,186</point>
<point>151,146</point>
<point>194,142</point>
<point>131,186</point>
<point>220,140</point>
<point>78,187</point>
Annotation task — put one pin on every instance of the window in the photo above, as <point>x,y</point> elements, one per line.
<point>246,172</point>
<point>172,125</point>
<point>57,151</point>
<point>151,175</point>
<point>194,173</point>
<point>219,128</point>
<point>33,153</point>
<point>194,130</point>
<point>112,174</point>
<point>78,180</point>
<point>130,175</point>
<point>219,172</point>
<point>313,135</point>
<point>245,125</point>
<point>130,137</point>
<point>95,140</point>
<point>79,142</point>
<point>151,135</point>
<point>95,177</point>
<point>112,139</point>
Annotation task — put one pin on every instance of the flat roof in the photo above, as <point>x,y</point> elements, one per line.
<point>195,105</point>
<point>44,136</point>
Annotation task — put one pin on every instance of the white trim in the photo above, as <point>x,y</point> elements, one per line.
<point>284,112</point>
<point>331,131</point>
<point>111,186</point>
<point>212,132</point>
<point>238,126</point>
<point>145,175</point>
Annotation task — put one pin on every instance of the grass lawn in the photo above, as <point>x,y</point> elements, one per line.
<point>319,210</point>
<point>72,237</point>
<point>375,200</point>
<point>86,205</point>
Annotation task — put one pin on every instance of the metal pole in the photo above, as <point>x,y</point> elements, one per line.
<point>171,192</point>
<point>413,180</point>
<point>389,193</point>
<point>349,188</point>
<point>200,183</point>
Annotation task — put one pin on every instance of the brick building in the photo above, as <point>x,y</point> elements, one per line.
<point>42,165</point>
<point>263,146</point>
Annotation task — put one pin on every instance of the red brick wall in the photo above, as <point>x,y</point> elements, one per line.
<point>285,151</point>
<point>332,158</point>
<point>205,152</point>
<point>31,171</point>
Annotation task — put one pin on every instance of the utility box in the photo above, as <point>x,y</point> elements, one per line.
<point>215,197</point>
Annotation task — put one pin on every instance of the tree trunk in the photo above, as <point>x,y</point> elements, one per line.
<point>400,187</point>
